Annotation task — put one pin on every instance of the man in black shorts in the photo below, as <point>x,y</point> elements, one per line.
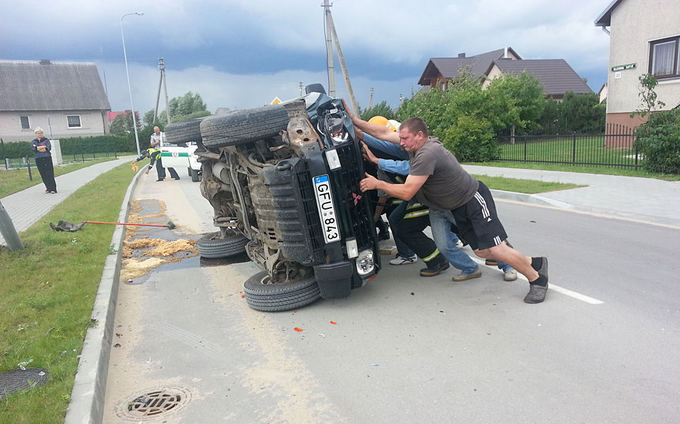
<point>438,181</point>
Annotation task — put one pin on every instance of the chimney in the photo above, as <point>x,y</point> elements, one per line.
<point>505,53</point>
<point>461,55</point>
<point>45,62</point>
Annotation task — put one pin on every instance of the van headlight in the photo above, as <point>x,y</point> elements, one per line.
<point>365,263</point>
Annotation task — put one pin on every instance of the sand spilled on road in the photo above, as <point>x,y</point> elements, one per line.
<point>143,254</point>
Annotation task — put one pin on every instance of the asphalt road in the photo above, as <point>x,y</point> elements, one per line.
<point>405,349</point>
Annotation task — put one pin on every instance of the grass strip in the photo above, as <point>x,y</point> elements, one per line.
<point>587,169</point>
<point>47,292</point>
<point>523,186</point>
<point>15,180</point>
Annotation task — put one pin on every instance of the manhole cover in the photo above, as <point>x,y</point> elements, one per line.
<point>15,380</point>
<point>153,404</point>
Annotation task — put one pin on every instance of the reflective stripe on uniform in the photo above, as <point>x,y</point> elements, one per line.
<point>432,256</point>
<point>417,214</point>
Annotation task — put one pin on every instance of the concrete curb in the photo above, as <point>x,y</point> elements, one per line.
<point>87,396</point>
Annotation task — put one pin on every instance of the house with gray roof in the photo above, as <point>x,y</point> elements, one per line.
<point>556,76</point>
<point>440,70</point>
<point>65,99</point>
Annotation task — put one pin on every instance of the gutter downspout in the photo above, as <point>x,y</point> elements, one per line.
<point>604,28</point>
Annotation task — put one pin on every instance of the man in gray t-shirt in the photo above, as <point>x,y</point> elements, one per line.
<point>438,181</point>
<point>448,185</point>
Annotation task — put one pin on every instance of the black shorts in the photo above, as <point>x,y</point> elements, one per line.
<point>478,221</point>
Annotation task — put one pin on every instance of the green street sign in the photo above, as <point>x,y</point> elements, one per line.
<point>623,67</point>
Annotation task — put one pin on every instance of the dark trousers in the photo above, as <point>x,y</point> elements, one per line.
<point>410,231</point>
<point>46,172</point>
<point>159,168</point>
<point>173,173</point>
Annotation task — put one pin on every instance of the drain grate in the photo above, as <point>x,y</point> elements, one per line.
<point>26,379</point>
<point>154,403</point>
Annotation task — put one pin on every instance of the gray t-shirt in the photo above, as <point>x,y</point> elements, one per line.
<point>448,185</point>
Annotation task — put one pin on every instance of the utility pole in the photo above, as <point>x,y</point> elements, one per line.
<point>9,233</point>
<point>330,31</point>
<point>329,48</point>
<point>162,81</point>
<point>370,99</point>
<point>302,89</point>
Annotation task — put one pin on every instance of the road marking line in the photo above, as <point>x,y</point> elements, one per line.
<point>595,214</point>
<point>555,287</point>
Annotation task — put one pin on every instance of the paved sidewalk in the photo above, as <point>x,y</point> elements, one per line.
<point>28,206</point>
<point>644,199</point>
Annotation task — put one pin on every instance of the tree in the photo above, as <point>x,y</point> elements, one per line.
<point>648,95</point>
<point>122,124</point>
<point>381,109</point>
<point>515,101</point>
<point>183,108</point>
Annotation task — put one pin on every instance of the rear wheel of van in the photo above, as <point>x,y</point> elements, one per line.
<point>212,246</point>
<point>263,295</point>
<point>183,132</point>
<point>243,126</point>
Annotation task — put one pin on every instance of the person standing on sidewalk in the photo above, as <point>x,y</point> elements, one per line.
<point>42,149</point>
<point>156,142</point>
<point>437,180</point>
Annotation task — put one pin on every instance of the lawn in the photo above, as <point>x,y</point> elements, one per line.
<point>579,150</point>
<point>47,291</point>
<point>17,179</point>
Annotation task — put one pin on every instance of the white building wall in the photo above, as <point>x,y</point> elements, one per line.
<point>55,124</point>
<point>634,23</point>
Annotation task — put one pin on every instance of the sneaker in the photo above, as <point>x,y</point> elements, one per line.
<point>53,192</point>
<point>462,277</point>
<point>510,275</point>
<point>491,262</point>
<point>47,192</point>
<point>401,260</point>
<point>536,293</point>
<point>159,180</point>
<point>431,272</point>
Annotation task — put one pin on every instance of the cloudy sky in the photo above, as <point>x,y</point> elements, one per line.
<point>243,53</point>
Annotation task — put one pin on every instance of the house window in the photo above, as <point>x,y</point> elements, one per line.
<point>73,121</point>
<point>665,58</point>
<point>25,124</point>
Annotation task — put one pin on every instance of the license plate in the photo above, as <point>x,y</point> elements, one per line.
<point>324,200</point>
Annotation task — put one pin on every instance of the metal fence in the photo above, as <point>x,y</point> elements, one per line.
<point>615,149</point>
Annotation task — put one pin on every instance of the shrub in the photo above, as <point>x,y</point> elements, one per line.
<point>659,141</point>
<point>16,150</point>
<point>472,140</point>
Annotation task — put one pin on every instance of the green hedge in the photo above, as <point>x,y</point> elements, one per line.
<point>76,145</point>
<point>16,150</point>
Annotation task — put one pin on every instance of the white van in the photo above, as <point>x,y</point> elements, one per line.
<point>177,151</point>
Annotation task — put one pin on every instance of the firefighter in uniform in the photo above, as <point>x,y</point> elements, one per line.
<point>155,156</point>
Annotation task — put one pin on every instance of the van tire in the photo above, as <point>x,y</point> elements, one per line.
<point>211,246</point>
<point>244,126</point>
<point>279,297</point>
<point>183,132</point>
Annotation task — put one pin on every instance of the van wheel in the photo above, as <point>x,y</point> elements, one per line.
<point>262,295</point>
<point>244,126</point>
<point>211,246</point>
<point>183,132</point>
